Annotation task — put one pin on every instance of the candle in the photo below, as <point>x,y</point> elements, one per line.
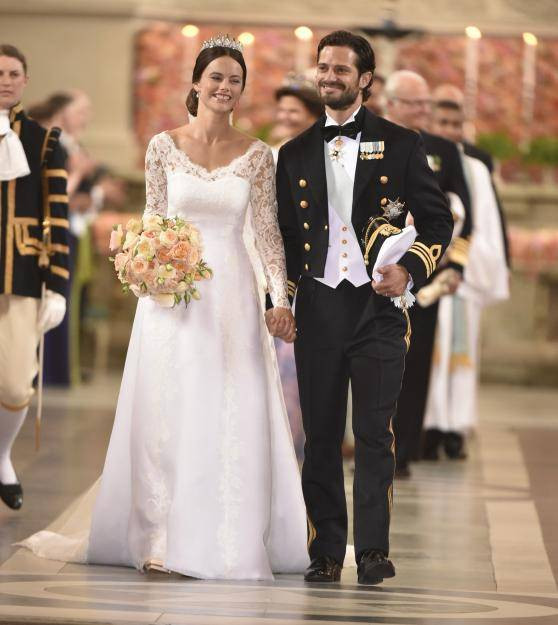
<point>471,75</point>
<point>528,85</point>
<point>247,41</point>
<point>304,37</point>
<point>189,51</point>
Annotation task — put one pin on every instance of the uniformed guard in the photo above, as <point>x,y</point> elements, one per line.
<point>33,254</point>
<point>409,104</point>
<point>333,181</point>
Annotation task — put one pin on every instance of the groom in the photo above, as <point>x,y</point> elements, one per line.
<point>331,180</point>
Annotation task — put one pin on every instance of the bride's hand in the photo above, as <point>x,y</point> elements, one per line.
<point>281,323</point>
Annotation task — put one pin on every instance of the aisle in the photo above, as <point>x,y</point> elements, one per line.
<point>473,542</point>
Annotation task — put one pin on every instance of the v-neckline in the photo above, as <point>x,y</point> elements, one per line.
<point>211,172</point>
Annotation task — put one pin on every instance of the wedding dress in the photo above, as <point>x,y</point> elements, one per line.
<point>201,476</point>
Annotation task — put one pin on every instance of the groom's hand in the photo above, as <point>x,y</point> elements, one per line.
<point>281,323</point>
<point>394,283</point>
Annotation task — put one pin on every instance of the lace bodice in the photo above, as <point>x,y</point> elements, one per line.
<point>255,167</point>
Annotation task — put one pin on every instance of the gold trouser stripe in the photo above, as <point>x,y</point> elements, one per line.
<point>60,271</point>
<point>58,197</point>
<point>60,222</point>
<point>311,532</point>
<point>58,247</point>
<point>56,173</point>
<point>409,329</point>
<point>15,408</point>
<point>9,269</point>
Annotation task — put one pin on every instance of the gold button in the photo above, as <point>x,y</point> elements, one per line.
<point>344,241</point>
<point>344,268</point>
<point>383,201</point>
<point>303,204</point>
<point>306,226</point>
<point>306,267</point>
<point>307,247</point>
<point>326,227</point>
<point>344,254</point>
<point>302,183</point>
<point>383,179</point>
<point>344,228</point>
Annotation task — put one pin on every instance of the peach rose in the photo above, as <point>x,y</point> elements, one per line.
<point>120,261</point>
<point>139,266</point>
<point>180,250</point>
<point>168,238</point>
<point>193,256</point>
<point>180,265</point>
<point>116,238</point>
<point>163,255</point>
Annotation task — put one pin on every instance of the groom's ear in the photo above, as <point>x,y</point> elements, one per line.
<point>365,80</point>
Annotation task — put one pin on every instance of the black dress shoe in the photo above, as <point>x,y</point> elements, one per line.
<point>431,441</point>
<point>374,567</point>
<point>323,569</point>
<point>11,495</point>
<point>454,446</point>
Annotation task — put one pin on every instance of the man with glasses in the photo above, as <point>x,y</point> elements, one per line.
<point>408,103</point>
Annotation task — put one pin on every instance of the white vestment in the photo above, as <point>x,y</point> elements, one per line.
<point>451,404</point>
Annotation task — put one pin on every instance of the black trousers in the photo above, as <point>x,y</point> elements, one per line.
<point>344,334</point>
<point>414,392</point>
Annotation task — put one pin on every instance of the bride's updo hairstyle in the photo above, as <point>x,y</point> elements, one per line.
<point>204,59</point>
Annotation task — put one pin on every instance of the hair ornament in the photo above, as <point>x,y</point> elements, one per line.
<point>222,41</point>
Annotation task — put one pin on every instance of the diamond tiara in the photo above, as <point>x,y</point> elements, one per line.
<point>222,41</point>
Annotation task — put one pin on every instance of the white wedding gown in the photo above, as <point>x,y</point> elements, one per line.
<point>200,475</point>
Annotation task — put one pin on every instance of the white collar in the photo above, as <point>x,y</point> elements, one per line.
<point>13,161</point>
<point>331,122</point>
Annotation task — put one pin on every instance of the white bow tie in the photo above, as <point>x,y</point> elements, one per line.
<point>13,162</point>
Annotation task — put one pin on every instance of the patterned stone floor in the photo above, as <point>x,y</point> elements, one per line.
<point>474,542</point>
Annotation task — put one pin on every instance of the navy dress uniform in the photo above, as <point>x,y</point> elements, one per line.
<point>345,331</point>
<point>33,252</point>
<point>445,161</point>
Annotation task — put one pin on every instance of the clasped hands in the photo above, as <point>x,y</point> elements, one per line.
<point>281,323</point>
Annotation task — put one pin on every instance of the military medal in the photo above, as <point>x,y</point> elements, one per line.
<point>336,152</point>
<point>371,150</point>
<point>393,209</point>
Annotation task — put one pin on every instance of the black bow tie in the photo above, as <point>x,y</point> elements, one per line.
<point>348,130</point>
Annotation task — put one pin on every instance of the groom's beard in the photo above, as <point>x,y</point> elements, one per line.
<point>341,101</point>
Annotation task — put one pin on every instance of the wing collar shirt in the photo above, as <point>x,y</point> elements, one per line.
<point>344,258</point>
<point>13,162</point>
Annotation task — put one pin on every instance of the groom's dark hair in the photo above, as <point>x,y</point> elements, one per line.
<point>366,61</point>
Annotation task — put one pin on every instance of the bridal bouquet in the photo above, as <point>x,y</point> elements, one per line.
<point>159,257</point>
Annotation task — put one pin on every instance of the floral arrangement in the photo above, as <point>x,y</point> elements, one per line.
<point>159,257</point>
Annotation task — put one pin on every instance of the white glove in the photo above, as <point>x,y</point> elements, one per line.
<point>52,311</point>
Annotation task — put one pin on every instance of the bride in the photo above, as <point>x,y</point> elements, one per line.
<point>200,476</point>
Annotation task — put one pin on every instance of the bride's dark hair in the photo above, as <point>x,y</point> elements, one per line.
<point>204,59</point>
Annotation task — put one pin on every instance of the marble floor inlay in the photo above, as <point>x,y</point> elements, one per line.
<point>474,542</point>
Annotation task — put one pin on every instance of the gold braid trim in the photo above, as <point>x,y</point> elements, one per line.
<point>60,271</point>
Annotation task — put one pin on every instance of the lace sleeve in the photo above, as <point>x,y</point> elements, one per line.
<point>269,242</point>
<point>155,177</point>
